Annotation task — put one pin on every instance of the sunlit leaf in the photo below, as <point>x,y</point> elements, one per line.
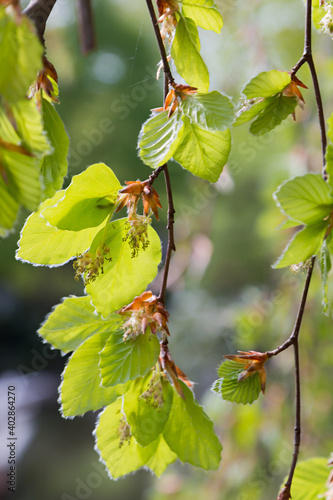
<point>203,152</point>
<point>147,407</point>
<point>204,13</point>
<point>46,245</point>
<point>278,109</point>
<point>231,389</point>
<point>309,481</point>
<point>74,321</point>
<point>306,199</point>
<point>267,84</point>
<point>30,127</point>
<point>159,138</point>
<point>249,113</point>
<point>212,111</point>
<point>124,276</point>
<point>8,209</point>
<point>190,434</point>
<point>303,245</point>
<point>122,454</point>
<point>20,55</point>
<point>185,52</point>
<point>81,389</point>
<point>87,201</point>
<point>126,360</point>
<point>20,171</point>
<point>54,166</point>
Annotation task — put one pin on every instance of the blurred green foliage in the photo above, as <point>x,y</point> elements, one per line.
<point>223,294</point>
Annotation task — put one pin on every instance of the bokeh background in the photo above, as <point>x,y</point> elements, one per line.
<point>223,294</point>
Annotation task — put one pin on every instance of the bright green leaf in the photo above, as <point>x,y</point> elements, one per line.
<point>303,245</point>
<point>329,165</point>
<point>190,434</point>
<point>204,13</point>
<point>81,389</point>
<point>54,166</point>
<point>122,454</point>
<point>212,111</point>
<point>309,481</point>
<point>74,321</point>
<point>22,172</point>
<point>203,152</point>
<point>243,391</point>
<point>267,84</point>
<point>306,199</point>
<point>20,55</point>
<point>124,276</point>
<point>45,245</point>
<point>87,201</point>
<point>30,128</point>
<point>278,109</point>
<point>250,112</point>
<point>185,52</point>
<point>8,209</point>
<point>159,138</point>
<point>126,360</point>
<point>147,406</point>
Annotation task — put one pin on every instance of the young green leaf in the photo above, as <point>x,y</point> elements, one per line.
<point>267,84</point>
<point>8,209</point>
<point>329,165</point>
<point>147,407</point>
<point>74,321</point>
<point>120,451</point>
<point>306,199</point>
<point>20,170</point>
<point>159,138</point>
<point>278,109</point>
<point>203,152</point>
<point>238,391</point>
<point>20,55</point>
<point>310,478</point>
<point>204,13</point>
<point>45,245</point>
<point>212,111</point>
<point>303,245</point>
<point>81,389</point>
<point>30,127</point>
<point>126,360</point>
<point>87,201</point>
<point>54,166</point>
<point>189,432</point>
<point>124,275</point>
<point>250,112</point>
<point>185,52</point>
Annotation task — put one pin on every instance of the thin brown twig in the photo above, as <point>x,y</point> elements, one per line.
<point>38,11</point>
<point>294,337</point>
<point>166,67</point>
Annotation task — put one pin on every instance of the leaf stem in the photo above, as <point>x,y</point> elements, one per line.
<point>38,11</point>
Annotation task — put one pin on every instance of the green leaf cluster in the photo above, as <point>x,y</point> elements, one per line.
<point>266,103</point>
<point>231,388</point>
<point>33,141</point>
<point>197,135</point>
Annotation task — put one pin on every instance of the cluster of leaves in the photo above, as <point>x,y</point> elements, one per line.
<point>33,141</point>
<point>120,359</point>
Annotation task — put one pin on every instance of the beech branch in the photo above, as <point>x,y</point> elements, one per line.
<point>38,11</point>
<point>168,79</point>
<point>294,337</point>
